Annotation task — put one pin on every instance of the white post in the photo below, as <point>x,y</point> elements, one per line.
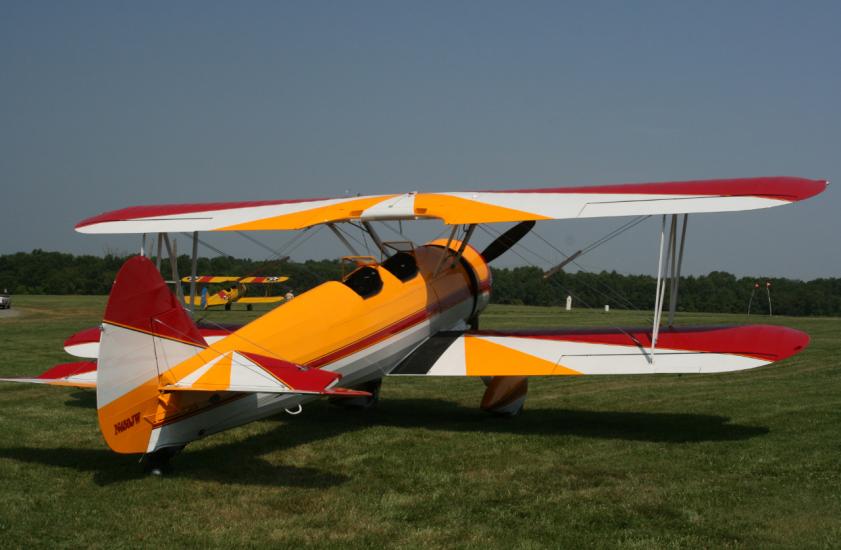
<point>569,303</point>
<point>768,290</point>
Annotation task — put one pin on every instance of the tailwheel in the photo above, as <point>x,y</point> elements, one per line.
<point>372,387</point>
<point>157,463</point>
<point>505,395</point>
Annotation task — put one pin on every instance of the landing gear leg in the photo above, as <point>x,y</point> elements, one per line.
<point>157,463</point>
<point>505,395</point>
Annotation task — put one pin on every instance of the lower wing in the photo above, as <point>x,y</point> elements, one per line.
<point>602,351</point>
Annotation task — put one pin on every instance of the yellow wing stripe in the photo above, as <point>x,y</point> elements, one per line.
<point>485,358</point>
<point>454,210</point>
<point>311,216</point>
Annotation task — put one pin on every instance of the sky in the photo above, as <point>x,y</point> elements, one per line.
<point>110,104</point>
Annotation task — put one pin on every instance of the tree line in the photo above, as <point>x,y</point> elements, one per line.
<point>41,272</point>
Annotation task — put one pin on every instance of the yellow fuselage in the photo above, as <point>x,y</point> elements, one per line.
<point>333,327</point>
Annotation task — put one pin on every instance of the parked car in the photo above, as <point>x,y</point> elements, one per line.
<point>5,301</point>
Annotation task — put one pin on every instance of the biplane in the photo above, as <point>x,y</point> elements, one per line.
<point>162,380</point>
<point>234,291</point>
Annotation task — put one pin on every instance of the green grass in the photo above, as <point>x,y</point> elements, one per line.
<point>744,460</point>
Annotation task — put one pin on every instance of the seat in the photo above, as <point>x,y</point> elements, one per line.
<point>402,265</point>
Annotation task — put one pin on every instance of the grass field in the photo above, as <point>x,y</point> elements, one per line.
<point>749,460</point>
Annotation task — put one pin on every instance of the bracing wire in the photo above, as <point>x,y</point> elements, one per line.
<point>349,235</point>
<point>258,243</point>
<point>208,245</point>
<point>610,294</point>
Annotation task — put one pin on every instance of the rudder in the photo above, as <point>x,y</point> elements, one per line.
<point>145,331</point>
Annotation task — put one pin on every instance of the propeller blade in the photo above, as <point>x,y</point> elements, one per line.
<point>506,240</point>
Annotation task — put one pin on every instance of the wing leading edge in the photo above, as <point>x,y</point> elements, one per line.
<point>722,195</point>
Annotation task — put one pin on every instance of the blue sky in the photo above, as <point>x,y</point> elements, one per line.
<point>104,105</point>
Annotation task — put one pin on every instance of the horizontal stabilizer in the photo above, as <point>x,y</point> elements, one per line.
<point>81,374</point>
<point>602,351</point>
<point>85,343</point>
<point>235,371</point>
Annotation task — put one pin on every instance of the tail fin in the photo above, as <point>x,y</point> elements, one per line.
<point>145,332</point>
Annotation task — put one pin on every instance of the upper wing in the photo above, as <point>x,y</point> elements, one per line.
<point>464,207</point>
<point>602,351</point>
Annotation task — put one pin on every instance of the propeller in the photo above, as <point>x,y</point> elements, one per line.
<point>506,241</point>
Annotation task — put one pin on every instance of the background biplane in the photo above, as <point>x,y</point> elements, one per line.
<point>234,291</point>
<point>163,381</point>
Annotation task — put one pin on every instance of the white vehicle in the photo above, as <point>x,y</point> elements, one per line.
<point>5,301</point>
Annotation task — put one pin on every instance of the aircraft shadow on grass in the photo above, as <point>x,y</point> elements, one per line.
<point>241,462</point>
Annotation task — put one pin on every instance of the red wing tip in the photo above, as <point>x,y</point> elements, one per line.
<point>788,188</point>
<point>790,342</point>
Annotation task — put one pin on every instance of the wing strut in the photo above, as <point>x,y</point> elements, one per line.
<point>668,267</point>
<point>172,249</point>
<point>342,238</point>
<point>464,242</point>
<point>375,237</point>
<point>657,293</point>
<point>160,247</point>
<point>676,272</point>
<point>193,266</point>
<point>446,250</point>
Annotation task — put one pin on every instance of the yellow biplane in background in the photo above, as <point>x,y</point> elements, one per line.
<point>234,291</point>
